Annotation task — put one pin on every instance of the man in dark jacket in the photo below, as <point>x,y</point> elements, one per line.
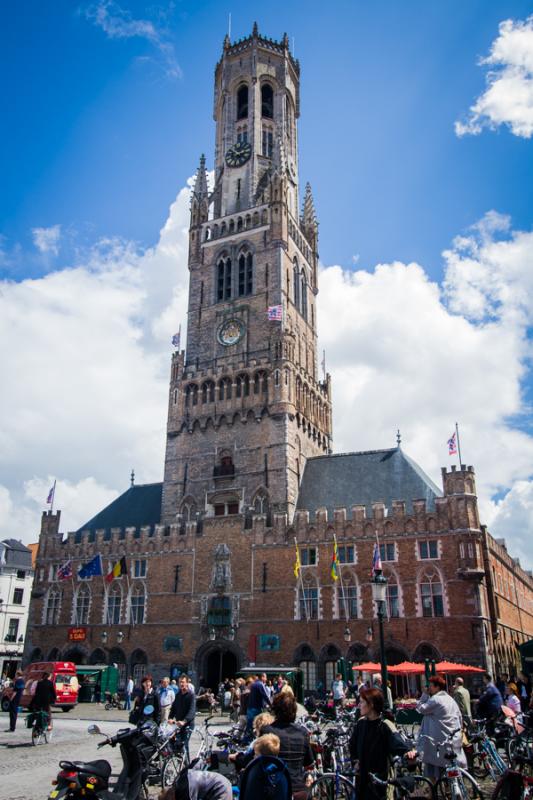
<point>295,749</point>
<point>490,702</point>
<point>258,699</point>
<point>44,697</point>
<point>183,710</point>
<point>14,702</point>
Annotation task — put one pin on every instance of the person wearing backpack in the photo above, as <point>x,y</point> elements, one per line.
<point>266,776</point>
<point>295,749</point>
<point>373,743</point>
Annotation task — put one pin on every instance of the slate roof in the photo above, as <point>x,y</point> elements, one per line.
<point>138,506</point>
<point>375,476</point>
<point>16,554</point>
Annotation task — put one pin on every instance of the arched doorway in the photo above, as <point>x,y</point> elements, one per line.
<point>220,664</point>
<point>75,654</point>
<point>215,661</point>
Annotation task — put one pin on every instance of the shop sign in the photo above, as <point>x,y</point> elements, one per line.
<point>77,634</point>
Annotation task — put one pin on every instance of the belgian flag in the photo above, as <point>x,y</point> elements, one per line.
<point>119,569</point>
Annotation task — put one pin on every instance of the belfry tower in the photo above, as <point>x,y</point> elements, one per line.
<point>246,404</point>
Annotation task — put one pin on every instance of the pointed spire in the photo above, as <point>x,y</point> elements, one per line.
<point>200,187</point>
<point>255,31</point>
<point>309,213</point>
<point>285,41</point>
<point>227,42</point>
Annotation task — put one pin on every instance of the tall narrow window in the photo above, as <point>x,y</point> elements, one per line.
<point>249,273</point>
<point>81,616</point>
<point>267,142</point>
<point>114,604</point>
<point>242,102</point>
<point>137,603</point>
<point>296,280</point>
<point>304,296</point>
<point>220,280</point>
<point>393,598</point>
<point>227,279</point>
<point>53,607</point>
<point>431,596</point>
<point>242,274</point>
<point>308,603</point>
<point>267,101</point>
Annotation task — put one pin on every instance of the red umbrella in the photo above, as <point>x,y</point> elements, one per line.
<point>449,666</point>
<point>370,666</point>
<point>406,668</point>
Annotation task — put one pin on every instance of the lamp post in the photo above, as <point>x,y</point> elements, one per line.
<point>379,595</point>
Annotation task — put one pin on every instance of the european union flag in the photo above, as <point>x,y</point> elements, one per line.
<point>93,567</point>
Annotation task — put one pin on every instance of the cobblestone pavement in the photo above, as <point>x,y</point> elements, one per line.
<point>26,771</point>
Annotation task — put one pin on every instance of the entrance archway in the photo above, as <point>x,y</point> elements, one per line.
<point>219,664</point>
<point>215,661</point>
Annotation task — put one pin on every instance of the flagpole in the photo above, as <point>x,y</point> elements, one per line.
<point>53,497</point>
<point>301,580</point>
<point>340,579</point>
<point>458,445</point>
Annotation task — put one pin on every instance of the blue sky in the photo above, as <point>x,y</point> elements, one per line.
<point>425,231</point>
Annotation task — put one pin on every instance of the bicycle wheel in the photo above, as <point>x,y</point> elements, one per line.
<point>171,769</point>
<point>332,787</point>
<point>479,767</point>
<point>462,788</point>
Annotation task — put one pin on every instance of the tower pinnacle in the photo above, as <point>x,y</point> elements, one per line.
<point>200,191</point>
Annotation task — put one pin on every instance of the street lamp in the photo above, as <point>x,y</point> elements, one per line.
<point>120,637</point>
<point>379,595</point>
<point>104,637</point>
<point>347,635</point>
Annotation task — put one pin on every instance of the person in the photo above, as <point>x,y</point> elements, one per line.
<point>194,784</point>
<point>243,707</point>
<point>295,749</point>
<point>338,690</point>
<point>45,695</point>
<point>257,700</point>
<point>166,698</point>
<point>14,701</point>
<point>501,683</point>
<point>129,691</point>
<point>147,697</point>
<point>524,690</point>
<point>183,710</point>
<point>440,717</point>
<point>373,742</point>
<point>174,686</point>
<point>512,700</point>
<point>378,684</point>
<point>490,702</point>
<point>461,695</point>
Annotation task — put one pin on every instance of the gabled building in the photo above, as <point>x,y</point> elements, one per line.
<point>16,577</point>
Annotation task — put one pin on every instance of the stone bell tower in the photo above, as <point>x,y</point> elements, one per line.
<point>246,404</point>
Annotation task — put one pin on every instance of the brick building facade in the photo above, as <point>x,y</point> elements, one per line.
<point>249,470</point>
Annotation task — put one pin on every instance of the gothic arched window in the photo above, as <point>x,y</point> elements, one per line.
<point>114,604</point>
<point>137,604</point>
<point>243,386</point>
<point>224,389</point>
<point>348,597</point>
<point>224,279</point>
<point>81,610</point>
<point>304,296</point>
<point>208,392</point>
<point>393,595</point>
<point>53,607</point>
<point>242,102</point>
<point>296,282</point>
<point>260,383</point>
<point>245,274</point>
<point>431,596</point>
<point>267,101</point>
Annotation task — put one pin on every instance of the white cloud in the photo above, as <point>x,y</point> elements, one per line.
<point>47,239</point>
<point>118,23</point>
<point>86,361</point>
<point>508,98</point>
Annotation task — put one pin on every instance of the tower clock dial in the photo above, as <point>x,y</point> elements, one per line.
<point>238,154</point>
<point>230,332</point>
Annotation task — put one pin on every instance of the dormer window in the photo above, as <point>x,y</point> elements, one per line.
<point>242,102</point>
<point>267,101</point>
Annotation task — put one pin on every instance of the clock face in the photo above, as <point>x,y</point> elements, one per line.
<point>238,154</point>
<point>230,332</point>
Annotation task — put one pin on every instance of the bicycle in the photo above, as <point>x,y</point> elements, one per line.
<point>455,782</point>
<point>333,786</point>
<point>483,757</point>
<point>38,721</point>
<point>406,786</point>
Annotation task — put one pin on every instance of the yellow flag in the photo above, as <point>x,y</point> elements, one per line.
<point>297,563</point>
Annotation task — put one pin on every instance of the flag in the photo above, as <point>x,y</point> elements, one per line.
<point>452,445</point>
<point>64,571</point>
<point>176,339</point>
<point>93,567</point>
<point>275,313</point>
<point>51,493</point>
<point>118,570</point>
<point>297,563</point>
<point>377,566</point>
<point>335,563</point>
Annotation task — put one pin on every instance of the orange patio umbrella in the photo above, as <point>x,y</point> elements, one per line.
<point>370,666</point>
<point>450,666</point>
<point>406,668</point>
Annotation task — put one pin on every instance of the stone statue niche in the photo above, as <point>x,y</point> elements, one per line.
<point>221,576</point>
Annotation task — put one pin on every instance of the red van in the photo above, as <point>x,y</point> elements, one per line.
<point>62,675</point>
